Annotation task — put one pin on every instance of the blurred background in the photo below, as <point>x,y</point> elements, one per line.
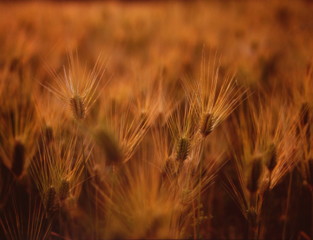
<point>258,38</point>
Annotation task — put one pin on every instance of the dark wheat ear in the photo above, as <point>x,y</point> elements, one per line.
<point>51,201</point>
<point>109,145</point>
<point>64,189</point>
<point>255,174</point>
<point>271,160</point>
<point>183,148</point>
<point>271,157</point>
<point>18,158</point>
<point>207,124</point>
<point>78,107</point>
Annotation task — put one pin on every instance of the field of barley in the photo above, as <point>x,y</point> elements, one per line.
<point>156,120</point>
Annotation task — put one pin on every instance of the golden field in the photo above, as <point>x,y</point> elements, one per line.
<point>156,120</point>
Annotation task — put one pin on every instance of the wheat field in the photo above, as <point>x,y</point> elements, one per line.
<point>156,120</point>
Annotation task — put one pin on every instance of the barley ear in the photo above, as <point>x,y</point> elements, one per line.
<point>206,125</point>
<point>18,158</point>
<point>51,203</point>
<point>78,107</point>
<point>64,190</point>
<point>255,174</point>
<point>271,158</point>
<point>109,146</point>
<point>183,147</point>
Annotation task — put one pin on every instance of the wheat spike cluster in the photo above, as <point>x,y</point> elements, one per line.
<point>156,120</point>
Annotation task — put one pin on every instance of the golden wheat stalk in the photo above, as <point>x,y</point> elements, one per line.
<point>78,87</point>
<point>182,128</point>
<point>214,97</point>
<point>18,132</point>
<point>57,170</point>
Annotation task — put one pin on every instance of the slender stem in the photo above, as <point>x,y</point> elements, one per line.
<point>113,174</point>
<point>287,206</point>
<point>96,210</point>
<point>259,202</point>
<point>311,190</point>
<point>251,231</point>
<point>252,227</point>
<point>199,200</point>
<point>194,220</point>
